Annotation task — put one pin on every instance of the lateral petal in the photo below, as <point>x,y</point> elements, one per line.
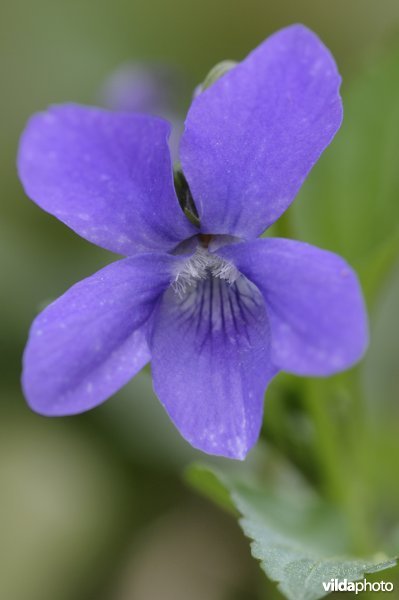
<point>87,344</point>
<point>314,302</point>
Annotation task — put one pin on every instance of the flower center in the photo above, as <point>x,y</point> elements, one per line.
<point>203,265</point>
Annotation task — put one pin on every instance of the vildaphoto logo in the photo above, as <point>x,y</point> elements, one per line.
<point>336,585</point>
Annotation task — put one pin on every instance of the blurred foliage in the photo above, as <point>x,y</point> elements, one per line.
<point>92,506</point>
<point>350,202</point>
<point>64,503</point>
<point>380,373</point>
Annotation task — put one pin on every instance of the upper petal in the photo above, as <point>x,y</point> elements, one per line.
<point>211,363</point>
<point>253,136</point>
<point>106,175</point>
<point>314,302</point>
<point>87,344</point>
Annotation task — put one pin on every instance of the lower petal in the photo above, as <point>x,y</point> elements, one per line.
<point>211,363</point>
<point>314,302</point>
<point>87,344</point>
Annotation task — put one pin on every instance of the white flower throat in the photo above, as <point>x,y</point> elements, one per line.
<point>203,265</point>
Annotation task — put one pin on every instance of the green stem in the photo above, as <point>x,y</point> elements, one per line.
<point>340,475</point>
<point>326,443</point>
<point>374,269</point>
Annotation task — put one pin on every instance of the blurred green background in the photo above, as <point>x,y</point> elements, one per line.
<point>94,506</point>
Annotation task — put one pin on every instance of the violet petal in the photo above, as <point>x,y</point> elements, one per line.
<point>106,175</point>
<point>211,364</point>
<point>314,302</point>
<point>253,136</point>
<point>87,344</point>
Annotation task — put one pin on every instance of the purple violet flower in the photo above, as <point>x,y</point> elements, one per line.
<point>152,88</point>
<point>216,310</point>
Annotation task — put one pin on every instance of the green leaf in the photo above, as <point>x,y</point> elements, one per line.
<point>350,202</point>
<point>289,527</point>
<point>202,479</point>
